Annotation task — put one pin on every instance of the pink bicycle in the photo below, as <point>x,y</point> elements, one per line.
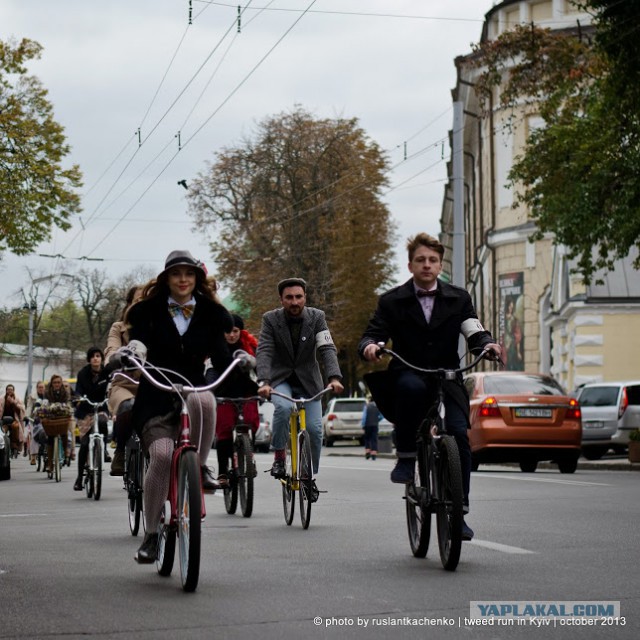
<point>184,508</point>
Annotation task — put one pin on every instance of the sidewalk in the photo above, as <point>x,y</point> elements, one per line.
<point>619,463</point>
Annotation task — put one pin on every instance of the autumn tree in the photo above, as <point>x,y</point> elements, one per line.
<point>579,173</point>
<point>302,197</point>
<point>36,192</point>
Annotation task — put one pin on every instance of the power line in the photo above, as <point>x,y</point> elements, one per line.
<point>229,96</point>
<point>348,13</point>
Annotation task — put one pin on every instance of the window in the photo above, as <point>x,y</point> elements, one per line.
<point>599,397</point>
<point>519,384</point>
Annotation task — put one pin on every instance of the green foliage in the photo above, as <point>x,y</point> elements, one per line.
<point>579,174</point>
<point>36,192</point>
<point>634,435</point>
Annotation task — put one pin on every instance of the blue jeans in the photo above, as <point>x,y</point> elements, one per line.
<point>282,412</point>
<point>412,403</point>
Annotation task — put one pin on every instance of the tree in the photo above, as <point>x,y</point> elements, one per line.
<point>36,192</point>
<point>579,173</point>
<point>302,198</point>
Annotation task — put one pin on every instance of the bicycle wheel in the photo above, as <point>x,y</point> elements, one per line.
<point>288,493</point>
<point>305,475</point>
<point>56,458</point>
<point>449,513</point>
<point>189,519</point>
<point>417,497</point>
<point>133,494</point>
<point>246,473</point>
<point>98,454</point>
<point>230,492</point>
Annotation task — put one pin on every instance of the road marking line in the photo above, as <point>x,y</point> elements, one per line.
<point>476,476</point>
<point>21,515</point>
<point>496,546</point>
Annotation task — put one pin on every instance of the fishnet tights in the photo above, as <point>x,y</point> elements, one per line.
<point>156,481</point>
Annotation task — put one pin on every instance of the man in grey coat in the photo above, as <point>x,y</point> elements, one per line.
<point>290,338</point>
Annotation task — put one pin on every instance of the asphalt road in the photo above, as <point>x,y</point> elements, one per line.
<point>67,568</point>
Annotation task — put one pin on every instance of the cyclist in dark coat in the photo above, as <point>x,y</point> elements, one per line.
<point>91,382</point>
<point>424,318</point>
<point>181,324</point>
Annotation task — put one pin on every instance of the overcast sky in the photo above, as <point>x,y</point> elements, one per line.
<point>118,66</point>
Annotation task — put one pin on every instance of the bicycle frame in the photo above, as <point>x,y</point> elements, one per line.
<point>92,477</point>
<point>297,424</point>
<point>95,433</point>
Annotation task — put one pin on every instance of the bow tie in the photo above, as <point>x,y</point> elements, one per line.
<point>175,309</point>
<point>421,293</point>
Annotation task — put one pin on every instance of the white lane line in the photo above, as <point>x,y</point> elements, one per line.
<point>21,515</point>
<point>496,546</point>
<point>527,478</point>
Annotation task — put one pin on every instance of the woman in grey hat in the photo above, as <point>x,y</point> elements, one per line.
<point>181,325</point>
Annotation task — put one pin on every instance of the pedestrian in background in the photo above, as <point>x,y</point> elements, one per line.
<point>370,421</point>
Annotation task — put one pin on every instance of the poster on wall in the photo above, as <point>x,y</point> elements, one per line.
<point>511,291</point>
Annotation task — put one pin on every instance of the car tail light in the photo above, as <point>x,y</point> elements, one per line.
<point>489,408</point>
<point>332,416</point>
<point>624,402</point>
<point>574,409</point>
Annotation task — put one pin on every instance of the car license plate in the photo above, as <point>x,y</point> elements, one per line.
<point>533,412</point>
<point>593,424</point>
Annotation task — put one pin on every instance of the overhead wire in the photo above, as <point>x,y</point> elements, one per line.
<point>207,120</point>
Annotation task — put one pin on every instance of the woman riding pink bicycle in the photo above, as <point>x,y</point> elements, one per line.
<point>182,325</point>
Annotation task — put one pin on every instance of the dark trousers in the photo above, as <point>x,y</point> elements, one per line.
<point>413,400</point>
<point>371,437</point>
<point>122,427</point>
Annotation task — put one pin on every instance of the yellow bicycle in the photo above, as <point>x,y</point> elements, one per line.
<point>298,464</point>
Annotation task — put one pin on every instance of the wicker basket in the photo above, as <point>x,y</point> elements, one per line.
<point>56,426</point>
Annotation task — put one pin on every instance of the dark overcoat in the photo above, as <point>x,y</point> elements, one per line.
<point>152,324</point>
<point>399,317</point>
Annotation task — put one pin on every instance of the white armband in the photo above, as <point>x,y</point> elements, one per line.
<point>323,338</point>
<point>471,326</point>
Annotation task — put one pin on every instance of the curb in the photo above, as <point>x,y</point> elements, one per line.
<point>583,465</point>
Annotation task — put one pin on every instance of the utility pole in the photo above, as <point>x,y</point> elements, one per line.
<point>458,261</point>
<point>31,308</point>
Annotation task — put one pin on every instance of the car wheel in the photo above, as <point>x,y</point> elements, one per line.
<point>594,453</point>
<point>568,465</point>
<point>528,466</point>
<point>328,442</point>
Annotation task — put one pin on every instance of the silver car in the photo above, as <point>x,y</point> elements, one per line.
<point>343,420</point>
<point>610,410</point>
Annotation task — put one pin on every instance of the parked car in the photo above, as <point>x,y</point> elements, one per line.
<point>342,420</point>
<point>524,418</point>
<point>610,410</point>
<point>262,440</point>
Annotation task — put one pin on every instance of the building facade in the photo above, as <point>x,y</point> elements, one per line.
<point>544,316</point>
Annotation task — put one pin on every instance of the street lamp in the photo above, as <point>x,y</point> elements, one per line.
<point>31,308</point>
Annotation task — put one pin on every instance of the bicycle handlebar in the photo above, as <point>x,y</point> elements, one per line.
<point>302,400</point>
<point>447,374</point>
<point>95,405</point>
<point>220,399</point>
<point>240,359</point>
